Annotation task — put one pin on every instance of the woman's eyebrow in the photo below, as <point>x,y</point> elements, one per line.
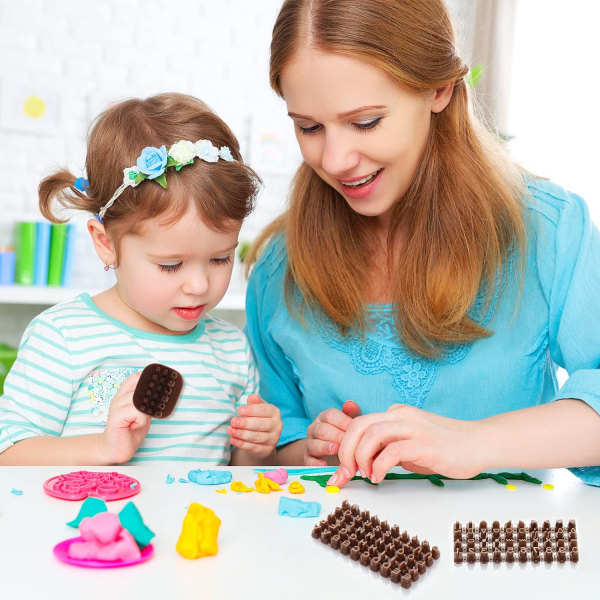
<point>340,115</point>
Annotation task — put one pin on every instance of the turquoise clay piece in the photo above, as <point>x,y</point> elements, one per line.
<point>90,508</point>
<point>131,519</point>
<point>292,507</point>
<point>209,477</point>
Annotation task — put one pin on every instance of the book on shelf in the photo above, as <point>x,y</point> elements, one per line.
<point>44,253</point>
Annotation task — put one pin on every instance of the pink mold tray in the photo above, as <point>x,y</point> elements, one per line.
<point>61,551</point>
<point>81,484</point>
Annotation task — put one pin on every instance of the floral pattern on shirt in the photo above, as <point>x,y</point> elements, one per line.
<point>103,385</point>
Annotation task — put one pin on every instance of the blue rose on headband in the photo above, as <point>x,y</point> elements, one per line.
<point>152,161</point>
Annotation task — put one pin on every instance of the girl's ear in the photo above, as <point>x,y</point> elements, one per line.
<point>442,97</point>
<point>103,244</point>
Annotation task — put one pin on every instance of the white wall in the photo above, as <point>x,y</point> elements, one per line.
<point>554,111</point>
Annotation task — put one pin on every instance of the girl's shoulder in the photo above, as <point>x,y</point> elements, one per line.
<point>224,331</point>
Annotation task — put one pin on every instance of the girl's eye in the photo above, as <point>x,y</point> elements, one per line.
<point>309,130</point>
<point>171,268</point>
<point>224,260</point>
<point>367,126</point>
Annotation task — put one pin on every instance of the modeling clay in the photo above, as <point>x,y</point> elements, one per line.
<point>296,488</point>
<point>435,479</point>
<point>170,479</point>
<point>280,476</point>
<point>16,492</point>
<point>332,489</point>
<point>157,390</point>
<point>90,508</point>
<point>509,486</point>
<point>78,485</point>
<point>292,507</point>
<point>264,485</point>
<point>104,539</point>
<point>238,486</point>
<point>375,544</point>
<point>223,491</point>
<point>199,532</point>
<point>208,477</point>
<point>131,519</point>
<point>512,543</point>
<point>548,486</point>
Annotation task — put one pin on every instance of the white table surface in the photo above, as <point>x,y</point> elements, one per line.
<point>263,555</point>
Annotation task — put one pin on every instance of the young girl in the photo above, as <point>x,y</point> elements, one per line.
<point>169,192</point>
<point>418,270</point>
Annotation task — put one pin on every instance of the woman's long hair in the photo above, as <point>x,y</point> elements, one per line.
<point>462,215</point>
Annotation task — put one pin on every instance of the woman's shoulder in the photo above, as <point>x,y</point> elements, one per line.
<point>272,260</point>
<point>554,204</point>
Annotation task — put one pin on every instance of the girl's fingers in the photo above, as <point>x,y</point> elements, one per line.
<point>352,409</point>
<point>254,423</point>
<point>326,433</point>
<point>253,437</point>
<point>318,448</point>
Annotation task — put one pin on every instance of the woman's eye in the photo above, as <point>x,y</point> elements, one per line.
<point>368,125</point>
<point>223,260</point>
<point>171,268</point>
<point>309,130</point>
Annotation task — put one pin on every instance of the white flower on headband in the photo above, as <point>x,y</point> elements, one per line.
<point>206,151</point>
<point>153,163</point>
<point>225,153</point>
<point>183,152</point>
<point>130,176</point>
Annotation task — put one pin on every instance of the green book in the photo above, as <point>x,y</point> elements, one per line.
<point>25,252</point>
<point>58,238</point>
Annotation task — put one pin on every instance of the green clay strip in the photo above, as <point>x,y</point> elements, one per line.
<point>435,479</point>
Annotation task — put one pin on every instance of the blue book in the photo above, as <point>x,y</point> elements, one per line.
<point>42,253</point>
<point>67,273</point>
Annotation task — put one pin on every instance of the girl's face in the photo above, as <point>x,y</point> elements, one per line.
<point>169,276</point>
<point>361,131</point>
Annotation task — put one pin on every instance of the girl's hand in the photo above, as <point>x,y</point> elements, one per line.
<point>324,435</point>
<point>126,426</point>
<point>417,440</point>
<point>257,429</point>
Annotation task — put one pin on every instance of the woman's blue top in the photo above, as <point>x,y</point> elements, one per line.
<point>552,321</point>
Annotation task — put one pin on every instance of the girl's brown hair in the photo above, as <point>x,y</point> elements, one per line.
<point>462,216</point>
<point>224,192</point>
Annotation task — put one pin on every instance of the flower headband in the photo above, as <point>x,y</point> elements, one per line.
<point>152,163</point>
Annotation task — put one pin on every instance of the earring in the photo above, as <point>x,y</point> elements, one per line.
<point>107,267</point>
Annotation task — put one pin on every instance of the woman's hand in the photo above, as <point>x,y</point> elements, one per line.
<point>417,440</point>
<point>324,435</point>
<point>126,426</point>
<point>257,429</point>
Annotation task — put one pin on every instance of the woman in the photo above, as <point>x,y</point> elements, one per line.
<point>417,270</point>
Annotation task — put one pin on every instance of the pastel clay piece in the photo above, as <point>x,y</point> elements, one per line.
<point>292,507</point>
<point>103,539</point>
<point>296,488</point>
<point>199,532</point>
<point>238,486</point>
<point>264,485</point>
<point>332,489</point>
<point>157,390</point>
<point>209,477</point>
<point>131,520</point>
<point>78,485</point>
<point>90,508</point>
<point>279,476</point>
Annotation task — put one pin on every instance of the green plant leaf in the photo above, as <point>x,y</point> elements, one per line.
<point>140,177</point>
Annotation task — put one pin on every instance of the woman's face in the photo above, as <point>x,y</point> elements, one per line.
<point>362,132</point>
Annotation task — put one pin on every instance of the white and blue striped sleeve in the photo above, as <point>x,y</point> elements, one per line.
<point>39,387</point>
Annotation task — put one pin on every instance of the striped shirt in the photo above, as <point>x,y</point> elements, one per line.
<point>73,358</point>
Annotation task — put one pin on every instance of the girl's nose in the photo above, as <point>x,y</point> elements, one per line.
<point>196,284</point>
